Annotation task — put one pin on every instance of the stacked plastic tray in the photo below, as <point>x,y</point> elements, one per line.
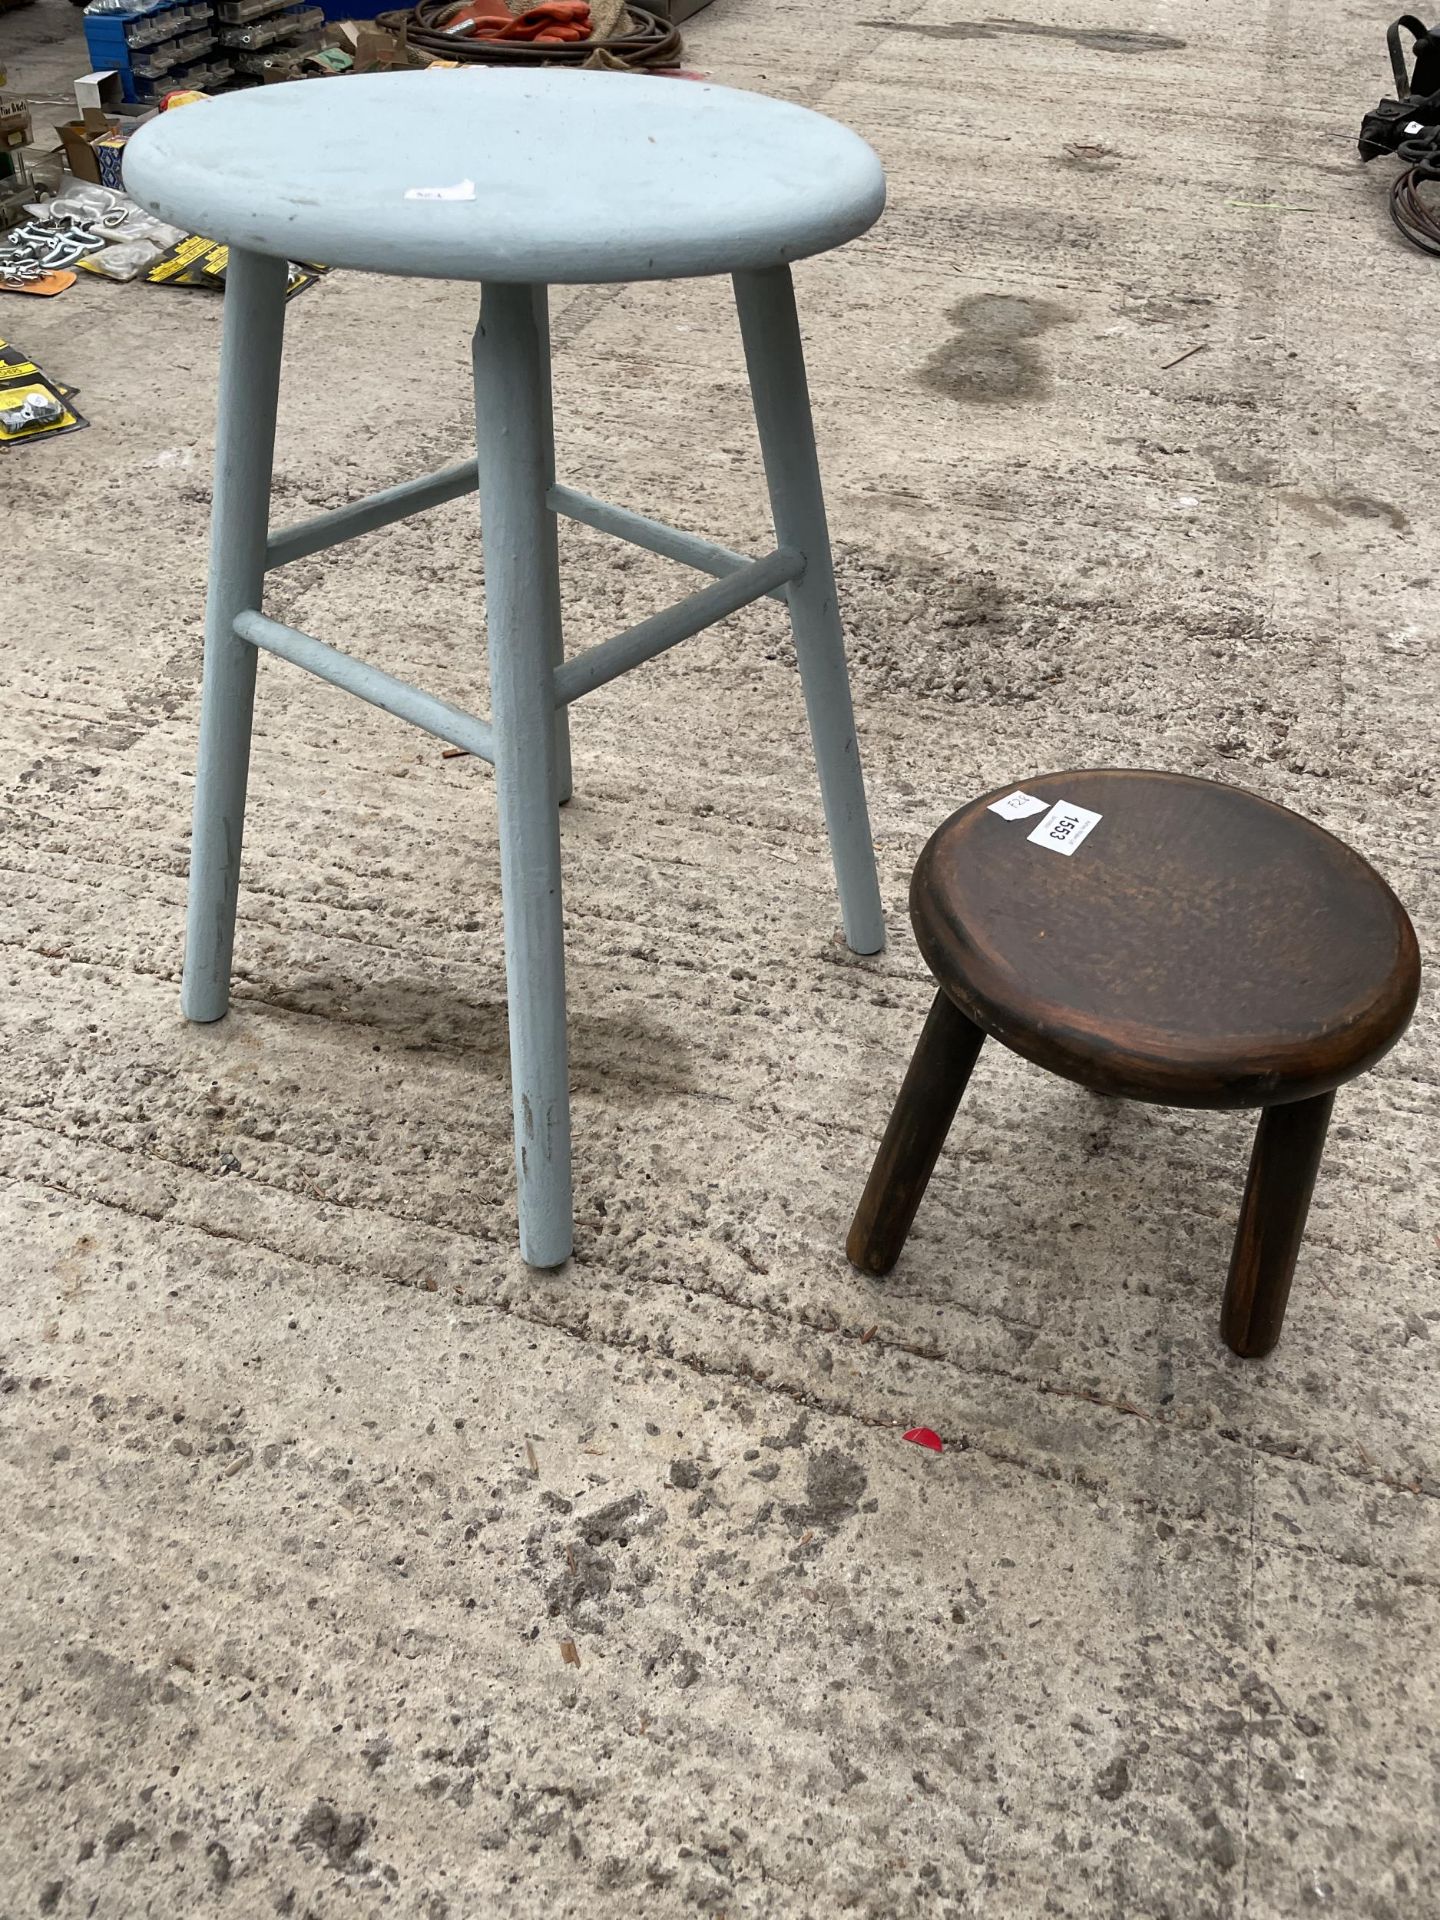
<point>159,48</point>
<point>255,33</point>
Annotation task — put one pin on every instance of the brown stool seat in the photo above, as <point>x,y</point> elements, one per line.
<point>1174,940</point>
<point>1201,947</point>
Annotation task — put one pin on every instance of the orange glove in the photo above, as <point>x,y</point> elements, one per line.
<point>554,21</point>
<point>467,18</point>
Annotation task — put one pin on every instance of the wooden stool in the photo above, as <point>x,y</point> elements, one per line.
<point>520,181</point>
<point>1190,944</point>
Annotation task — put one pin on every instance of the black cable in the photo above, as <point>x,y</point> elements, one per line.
<point>652,43</point>
<point>1417,220</point>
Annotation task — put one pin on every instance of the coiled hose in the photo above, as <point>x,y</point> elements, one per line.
<point>652,42</point>
<point>1417,218</point>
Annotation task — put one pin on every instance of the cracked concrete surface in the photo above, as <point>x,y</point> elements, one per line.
<point>351,1568</point>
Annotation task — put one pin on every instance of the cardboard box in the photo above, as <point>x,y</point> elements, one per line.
<point>78,141</point>
<point>94,143</point>
<point>376,49</point>
<point>99,94</point>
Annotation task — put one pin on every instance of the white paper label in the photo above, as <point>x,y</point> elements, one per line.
<point>1414,126</point>
<point>462,190</point>
<point>1017,806</point>
<point>1064,827</point>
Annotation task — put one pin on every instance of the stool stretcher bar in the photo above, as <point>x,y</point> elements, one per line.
<point>369,683</point>
<point>688,548</point>
<point>752,580</point>
<point>364,516</point>
<point>382,509</point>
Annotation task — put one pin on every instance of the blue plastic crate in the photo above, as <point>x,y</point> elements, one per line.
<point>116,40</point>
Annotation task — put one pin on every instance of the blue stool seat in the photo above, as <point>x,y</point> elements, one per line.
<point>548,177</point>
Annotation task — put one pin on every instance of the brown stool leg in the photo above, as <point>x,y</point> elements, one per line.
<point>1283,1163</point>
<point>948,1048</point>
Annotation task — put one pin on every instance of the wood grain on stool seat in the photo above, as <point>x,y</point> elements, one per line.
<point>1201,947</point>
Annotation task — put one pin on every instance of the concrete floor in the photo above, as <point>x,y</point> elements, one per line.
<point>306,1481</point>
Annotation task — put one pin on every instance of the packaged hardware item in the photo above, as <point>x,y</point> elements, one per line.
<point>32,407</point>
<point>198,262</point>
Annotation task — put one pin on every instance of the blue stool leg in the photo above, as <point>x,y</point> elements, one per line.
<point>564,779</point>
<point>773,353</point>
<point>244,450</point>
<point>520,587</point>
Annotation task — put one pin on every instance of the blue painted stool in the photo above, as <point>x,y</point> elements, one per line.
<point>518,181</point>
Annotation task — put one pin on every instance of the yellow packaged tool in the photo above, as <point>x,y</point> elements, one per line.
<point>198,262</point>
<point>32,407</point>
